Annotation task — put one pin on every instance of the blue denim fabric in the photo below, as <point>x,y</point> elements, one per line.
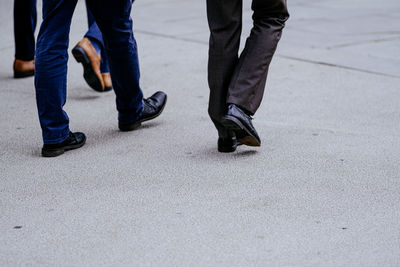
<point>113,18</point>
<point>24,29</point>
<point>96,38</point>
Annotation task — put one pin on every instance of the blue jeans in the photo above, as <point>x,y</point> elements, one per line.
<point>25,17</point>
<point>114,21</point>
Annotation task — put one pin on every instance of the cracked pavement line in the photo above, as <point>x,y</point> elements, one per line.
<point>365,42</point>
<point>282,56</point>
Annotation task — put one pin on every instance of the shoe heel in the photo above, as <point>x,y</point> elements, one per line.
<point>92,79</point>
<point>52,153</point>
<point>80,55</point>
<point>18,74</point>
<point>129,127</point>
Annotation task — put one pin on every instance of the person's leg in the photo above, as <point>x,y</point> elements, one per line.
<point>90,17</point>
<point>247,86</point>
<point>225,23</point>
<point>24,29</point>
<point>90,51</point>
<point>115,23</point>
<point>96,38</point>
<point>51,69</point>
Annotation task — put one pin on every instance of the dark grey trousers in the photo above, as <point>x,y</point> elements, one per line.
<point>241,80</point>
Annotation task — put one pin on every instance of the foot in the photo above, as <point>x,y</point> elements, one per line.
<point>152,108</point>
<point>227,141</point>
<point>85,53</point>
<point>239,122</point>
<point>23,68</point>
<point>73,141</point>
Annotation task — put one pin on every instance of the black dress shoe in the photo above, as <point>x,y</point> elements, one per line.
<point>239,122</point>
<point>152,108</point>
<point>227,141</point>
<point>73,141</point>
<point>227,145</point>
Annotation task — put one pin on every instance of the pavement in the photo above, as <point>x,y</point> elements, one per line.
<point>322,190</point>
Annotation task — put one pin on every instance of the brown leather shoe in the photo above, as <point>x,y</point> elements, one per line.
<point>107,81</point>
<point>85,53</point>
<point>23,68</point>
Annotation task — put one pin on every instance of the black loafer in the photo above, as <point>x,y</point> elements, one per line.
<point>152,108</point>
<point>239,122</point>
<point>73,141</point>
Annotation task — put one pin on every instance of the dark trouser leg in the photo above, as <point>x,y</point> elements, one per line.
<point>248,82</point>
<point>114,21</point>
<point>24,29</point>
<point>96,38</point>
<point>51,69</point>
<point>225,22</point>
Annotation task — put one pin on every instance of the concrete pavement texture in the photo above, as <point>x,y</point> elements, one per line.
<point>323,190</point>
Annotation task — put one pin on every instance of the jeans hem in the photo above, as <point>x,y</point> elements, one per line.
<point>126,119</point>
<point>58,140</point>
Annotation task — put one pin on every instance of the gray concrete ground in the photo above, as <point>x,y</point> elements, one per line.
<point>323,190</point>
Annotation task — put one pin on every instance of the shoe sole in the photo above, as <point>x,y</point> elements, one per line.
<point>243,135</point>
<point>229,149</point>
<point>89,74</point>
<point>131,127</point>
<point>57,152</point>
<point>18,74</point>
